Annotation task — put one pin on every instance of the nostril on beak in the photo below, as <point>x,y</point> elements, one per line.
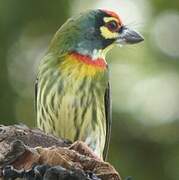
<point>121,29</point>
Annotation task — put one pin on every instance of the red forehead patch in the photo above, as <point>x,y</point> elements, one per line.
<point>112,14</point>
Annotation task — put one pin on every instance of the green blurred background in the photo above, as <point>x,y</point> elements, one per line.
<point>145,77</point>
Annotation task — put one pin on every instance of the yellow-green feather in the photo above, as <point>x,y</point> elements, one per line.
<point>70,100</point>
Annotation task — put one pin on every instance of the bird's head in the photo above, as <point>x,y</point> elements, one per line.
<point>92,33</point>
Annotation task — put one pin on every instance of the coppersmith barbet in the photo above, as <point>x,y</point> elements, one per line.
<point>72,87</point>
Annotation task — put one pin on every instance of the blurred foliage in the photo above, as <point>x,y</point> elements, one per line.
<point>15,15</point>
<point>145,80</point>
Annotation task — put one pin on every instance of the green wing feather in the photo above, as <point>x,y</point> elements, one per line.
<point>36,90</point>
<point>107,101</point>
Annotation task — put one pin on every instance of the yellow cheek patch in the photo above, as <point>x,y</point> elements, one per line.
<point>107,34</point>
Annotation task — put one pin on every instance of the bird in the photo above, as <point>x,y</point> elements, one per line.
<point>72,89</point>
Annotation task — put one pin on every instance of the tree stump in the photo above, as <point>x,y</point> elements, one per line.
<point>31,154</point>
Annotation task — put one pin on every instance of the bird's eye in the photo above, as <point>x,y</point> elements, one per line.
<point>112,25</point>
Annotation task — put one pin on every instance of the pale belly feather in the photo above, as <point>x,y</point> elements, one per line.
<point>79,116</point>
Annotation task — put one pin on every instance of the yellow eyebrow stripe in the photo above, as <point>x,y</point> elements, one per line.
<point>107,19</point>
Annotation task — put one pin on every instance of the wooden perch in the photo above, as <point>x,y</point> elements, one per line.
<point>32,154</point>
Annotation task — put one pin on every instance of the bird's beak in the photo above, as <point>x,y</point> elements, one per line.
<point>128,36</point>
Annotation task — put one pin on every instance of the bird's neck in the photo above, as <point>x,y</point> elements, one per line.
<point>80,65</point>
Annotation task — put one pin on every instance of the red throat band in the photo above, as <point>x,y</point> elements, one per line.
<point>99,62</point>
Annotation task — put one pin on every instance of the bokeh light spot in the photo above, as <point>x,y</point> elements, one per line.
<point>165,33</point>
<point>23,60</point>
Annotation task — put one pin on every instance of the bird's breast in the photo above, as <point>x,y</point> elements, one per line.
<point>71,101</point>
